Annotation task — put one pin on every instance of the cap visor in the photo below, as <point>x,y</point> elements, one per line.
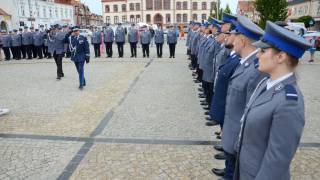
<point>261,44</point>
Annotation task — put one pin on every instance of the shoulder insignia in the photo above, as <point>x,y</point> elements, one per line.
<point>256,63</point>
<point>291,92</point>
<point>246,64</point>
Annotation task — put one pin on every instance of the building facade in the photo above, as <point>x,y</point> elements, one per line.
<point>38,12</point>
<point>5,20</point>
<point>163,12</point>
<point>298,8</point>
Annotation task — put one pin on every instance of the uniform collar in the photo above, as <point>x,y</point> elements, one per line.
<point>270,83</point>
<point>249,56</point>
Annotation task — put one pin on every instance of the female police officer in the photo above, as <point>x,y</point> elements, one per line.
<point>80,53</point>
<point>273,120</point>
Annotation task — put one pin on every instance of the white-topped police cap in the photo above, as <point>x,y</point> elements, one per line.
<point>75,28</point>
<point>284,40</point>
<point>246,27</point>
<point>3,31</point>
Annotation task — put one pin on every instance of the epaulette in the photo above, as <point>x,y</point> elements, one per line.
<point>291,92</point>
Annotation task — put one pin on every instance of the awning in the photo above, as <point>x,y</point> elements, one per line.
<point>3,13</point>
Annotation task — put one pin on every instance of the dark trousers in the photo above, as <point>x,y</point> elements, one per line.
<point>199,73</point>
<point>120,48</point>
<point>44,50</point>
<point>145,50</point>
<point>172,48</point>
<point>28,51</point>
<point>6,51</point>
<point>39,51</point>
<point>34,51</point>
<point>193,60</point>
<point>80,70</point>
<point>159,49</point>
<point>58,60</point>
<point>23,51</point>
<point>133,47</point>
<point>16,52</point>
<point>209,93</point>
<point>230,164</point>
<point>97,50</point>
<point>108,48</point>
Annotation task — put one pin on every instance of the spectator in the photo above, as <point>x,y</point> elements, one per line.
<point>313,48</point>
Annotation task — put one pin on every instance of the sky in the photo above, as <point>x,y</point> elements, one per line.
<point>96,7</point>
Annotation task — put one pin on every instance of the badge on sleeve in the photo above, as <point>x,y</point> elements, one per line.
<point>291,92</point>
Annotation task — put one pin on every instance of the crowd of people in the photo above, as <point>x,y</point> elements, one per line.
<point>247,86</point>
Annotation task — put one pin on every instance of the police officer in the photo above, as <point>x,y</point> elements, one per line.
<point>108,36</point>
<point>159,40</point>
<point>43,32</point>
<point>59,40</point>
<point>273,120</point>
<point>6,44</point>
<point>51,35</point>
<point>145,38</point>
<point>96,40</point>
<point>33,47</point>
<point>245,78</point>
<point>16,45</point>
<point>27,39</point>
<point>133,37</point>
<point>80,53</point>
<point>120,39</point>
<point>172,41</point>
<point>38,43</point>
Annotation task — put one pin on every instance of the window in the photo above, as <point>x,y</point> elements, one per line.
<point>50,12</point>
<point>66,13</point>
<point>124,7</point>
<point>138,18</point>
<point>168,18</point>
<point>44,12</point>
<point>166,4</point>
<point>22,10</point>
<point>178,18</point>
<point>204,5</point>
<point>185,5</point>
<point>131,6</point>
<point>213,5</point>
<point>137,6</point>
<point>178,5</point>
<point>194,5</point>
<point>158,4</point>
<point>124,19</point>
<point>108,19</point>
<point>203,16</point>
<point>116,19</point>
<point>115,8</point>
<point>148,18</point>
<point>149,4</point>
<point>185,17</point>
<point>61,12</point>
<point>56,12</point>
<point>131,18</point>
<point>194,17</point>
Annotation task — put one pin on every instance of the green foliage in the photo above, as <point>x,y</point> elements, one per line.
<point>271,10</point>
<point>227,9</point>
<point>305,20</point>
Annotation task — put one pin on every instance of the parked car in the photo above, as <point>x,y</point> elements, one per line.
<point>86,32</point>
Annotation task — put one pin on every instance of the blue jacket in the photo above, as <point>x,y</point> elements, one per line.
<point>159,36</point>
<point>171,37</point>
<point>16,40</point>
<point>96,37</point>
<point>79,48</point>
<point>108,35</point>
<point>59,41</point>
<point>120,35</point>
<point>145,37</point>
<point>27,38</point>
<point>6,40</point>
<point>218,103</point>
<point>38,39</point>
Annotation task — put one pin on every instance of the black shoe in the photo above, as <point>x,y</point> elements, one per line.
<point>218,137</point>
<point>220,156</point>
<point>200,89</point>
<point>131,56</point>
<point>58,77</point>
<point>208,119</point>
<point>217,133</point>
<point>202,96</point>
<point>204,103</point>
<point>211,123</point>
<point>80,87</point>
<point>218,172</point>
<point>206,113</point>
<point>197,81</point>
<point>144,56</point>
<point>311,60</point>
<point>206,108</point>
<point>173,57</point>
<point>218,148</point>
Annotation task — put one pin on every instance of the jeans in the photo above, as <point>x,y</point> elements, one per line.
<point>80,69</point>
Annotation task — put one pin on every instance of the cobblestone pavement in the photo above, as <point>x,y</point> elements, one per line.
<point>136,119</point>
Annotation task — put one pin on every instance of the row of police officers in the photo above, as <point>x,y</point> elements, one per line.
<point>29,43</point>
<point>135,35</point>
<point>248,85</point>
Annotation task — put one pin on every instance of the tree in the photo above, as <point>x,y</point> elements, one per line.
<point>227,9</point>
<point>212,15</point>
<point>271,10</point>
<point>305,20</point>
